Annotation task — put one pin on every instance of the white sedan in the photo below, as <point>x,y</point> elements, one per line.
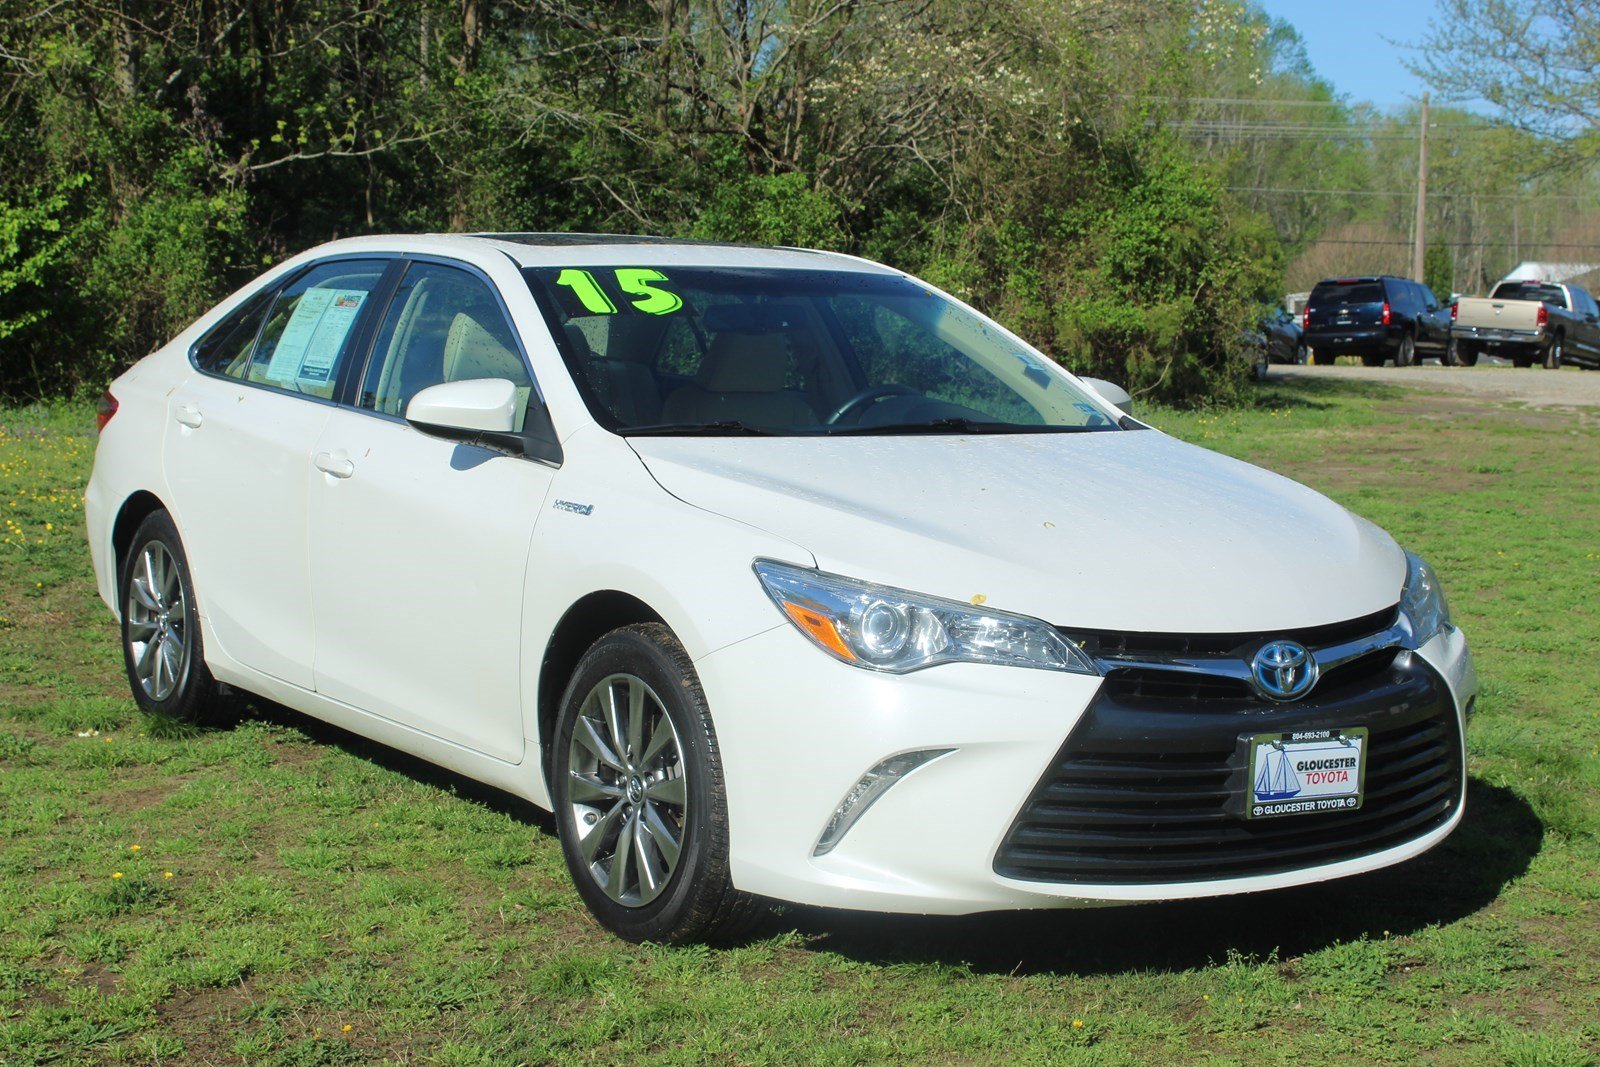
<point>774,574</point>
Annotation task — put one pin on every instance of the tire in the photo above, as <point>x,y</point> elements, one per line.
<point>1521,362</point>
<point>1302,355</point>
<point>156,594</point>
<point>671,798</point>
<point>1552,353</point>
<point>1467,355</point>
<point>1260,367</point>
<point>1324,359</point>
<point>1375,360</point>
<point>1406,354</point>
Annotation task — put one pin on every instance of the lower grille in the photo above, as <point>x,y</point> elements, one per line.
<point>1139,796</point>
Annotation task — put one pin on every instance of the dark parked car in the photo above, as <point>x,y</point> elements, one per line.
<point>1376,318</point>
<point>1282,335</point>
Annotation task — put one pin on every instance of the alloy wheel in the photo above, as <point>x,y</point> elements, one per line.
<point>158,622</point>
<point>627,789</point>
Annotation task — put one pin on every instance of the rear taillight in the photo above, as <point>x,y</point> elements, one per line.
<point>1455,309</point>
<point>1305,318</point>
<point>1544,316</point>
<point>1386,314</point>
<point>106,409</point>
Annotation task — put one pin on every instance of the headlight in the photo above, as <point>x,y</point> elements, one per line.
<point>1422,603</point>
<point>883,629</point>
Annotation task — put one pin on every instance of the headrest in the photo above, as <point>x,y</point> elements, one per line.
<point>577,341</point>
<point>471,351</point>
<point>635,338</point>
<point>743,363</point>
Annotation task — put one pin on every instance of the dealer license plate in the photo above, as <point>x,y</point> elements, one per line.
<point>1300,771</point>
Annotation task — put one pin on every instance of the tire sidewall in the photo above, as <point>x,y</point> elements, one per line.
<point>187,697</point>
<point>639,651</point>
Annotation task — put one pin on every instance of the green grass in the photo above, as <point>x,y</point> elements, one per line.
<point>330,901</point>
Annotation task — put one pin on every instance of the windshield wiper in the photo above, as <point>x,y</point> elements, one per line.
<point>721,428</point>
<point>959,425</point>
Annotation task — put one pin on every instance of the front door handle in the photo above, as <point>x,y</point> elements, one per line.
<point>188,415</point>
<point>328,463</point>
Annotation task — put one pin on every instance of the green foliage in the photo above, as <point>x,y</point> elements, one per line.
<point>771,209</point>
<point>151,162</point>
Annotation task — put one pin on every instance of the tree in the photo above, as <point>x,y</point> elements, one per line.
<point>1535,62</point>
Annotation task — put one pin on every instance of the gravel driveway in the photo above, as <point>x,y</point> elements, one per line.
<point>1568,387</point>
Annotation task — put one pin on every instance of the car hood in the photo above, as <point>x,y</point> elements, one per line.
<point>1111,531</point>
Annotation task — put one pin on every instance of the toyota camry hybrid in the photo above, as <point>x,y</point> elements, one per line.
<point>774,574</point>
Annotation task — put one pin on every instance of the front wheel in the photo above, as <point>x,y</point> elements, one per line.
<point>1302,355</point>
<point>161,627</point>
<point>636,779</point>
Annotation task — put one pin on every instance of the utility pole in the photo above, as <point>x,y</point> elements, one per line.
<point>1422,194</point>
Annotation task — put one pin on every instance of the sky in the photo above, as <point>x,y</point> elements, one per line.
<point>1349,42</point>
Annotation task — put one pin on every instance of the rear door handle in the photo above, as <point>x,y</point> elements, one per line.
<point>188,415</point>
<point>328,463</point>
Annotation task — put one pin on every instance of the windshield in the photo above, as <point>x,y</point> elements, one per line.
<point>726,350</point>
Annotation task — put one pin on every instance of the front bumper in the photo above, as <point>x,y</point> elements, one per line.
<point>797,731</point>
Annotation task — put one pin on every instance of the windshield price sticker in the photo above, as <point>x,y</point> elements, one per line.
<point>1296,772</point>
<point>639,284</point>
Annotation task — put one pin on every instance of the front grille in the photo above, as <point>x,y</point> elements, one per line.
<point>1151,645</point>
<point>1136,796</point>
<point>1176,690</point>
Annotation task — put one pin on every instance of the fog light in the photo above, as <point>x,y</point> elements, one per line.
<point>868,789</point>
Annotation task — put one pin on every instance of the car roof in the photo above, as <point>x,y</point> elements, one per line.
<point>604,249</point>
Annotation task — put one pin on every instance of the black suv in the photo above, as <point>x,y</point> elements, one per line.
<point>1377,319</point>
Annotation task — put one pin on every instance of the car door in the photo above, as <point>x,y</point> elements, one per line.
<point>238,442</point>
<point>1435,319</point>
<point>1587,330</point>
<point>419,546</point>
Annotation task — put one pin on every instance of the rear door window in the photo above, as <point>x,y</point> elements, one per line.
<point>310,329</point>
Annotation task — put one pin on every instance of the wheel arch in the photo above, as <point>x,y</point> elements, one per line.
<point>139,506</point>
<point>588,619</point>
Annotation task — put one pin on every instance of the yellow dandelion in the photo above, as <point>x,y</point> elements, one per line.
<point>1205,996</point>
<point>135,848</point>
<point>166,874</point>
<point>115,875</point>
<point>1077,1024</point>
<point>345,1028</point>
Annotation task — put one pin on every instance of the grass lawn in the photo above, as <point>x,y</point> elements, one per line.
<point>281,892</point>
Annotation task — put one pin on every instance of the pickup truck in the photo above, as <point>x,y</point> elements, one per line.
<point>1527,322</point>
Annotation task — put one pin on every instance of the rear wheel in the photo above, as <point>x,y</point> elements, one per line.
<point>1375,360</point>
<point>637,783</point>
<point>1302,355</point>
<point>1406,355</point>
<point>160,627</point>
<point>1521,362</point>
<point>1552,353</point>
<point>1467,355</point>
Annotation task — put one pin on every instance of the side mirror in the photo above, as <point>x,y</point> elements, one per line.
<point>1111,392</point>
<point>483,412</point>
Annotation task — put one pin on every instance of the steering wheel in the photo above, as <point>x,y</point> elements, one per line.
<point>867,396</point>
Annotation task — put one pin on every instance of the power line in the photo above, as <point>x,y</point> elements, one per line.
<point>1410,193</point>
<point>1405,242</point>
